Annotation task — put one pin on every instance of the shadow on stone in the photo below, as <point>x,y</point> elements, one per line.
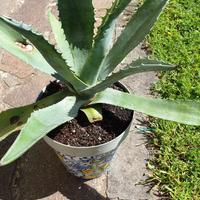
<point>6,173</point>
<point>40,174</point>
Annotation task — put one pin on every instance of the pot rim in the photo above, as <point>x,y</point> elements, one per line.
<point>95,146</point>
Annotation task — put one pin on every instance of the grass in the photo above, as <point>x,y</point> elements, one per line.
<point>176,39</point>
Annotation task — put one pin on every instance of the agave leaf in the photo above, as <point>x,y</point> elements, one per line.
<point>138,66</point>
<point>40,123</point>
<point>77,17</point>
<point>74,57</point>
<point>78,28</point>
<point>93,113</point>
<point>80,57</point>
<point>47,50</point>
<point>103,42</point>
<point>186,112</point>
<point>136,30</point>
<point>10,40</point>
<point>13,119</point>
<point>61,43</point>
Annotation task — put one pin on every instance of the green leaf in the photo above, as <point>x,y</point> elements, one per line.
<point>61,43</point>
<point>40,123</point>
<point>186,112</point>
<point>14,118</point>
<point>138,66</point>
<point>93,113</point>
<point>74,57</point>
<point>10,40</point>
<point>103,42</point>
<point>47,50</point>
<point>136,30</point>
<point>80,57</point>
<point>77,17</point>
<point>78,28</point>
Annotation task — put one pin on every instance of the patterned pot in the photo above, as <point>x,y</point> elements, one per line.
<point>87,162</point>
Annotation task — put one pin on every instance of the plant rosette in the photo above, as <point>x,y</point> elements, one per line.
<point>92,161</point>
<point>84,60</point>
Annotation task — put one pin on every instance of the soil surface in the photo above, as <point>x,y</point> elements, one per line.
<point>80,132</point>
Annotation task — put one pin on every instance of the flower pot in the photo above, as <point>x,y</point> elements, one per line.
<point>88,162</point>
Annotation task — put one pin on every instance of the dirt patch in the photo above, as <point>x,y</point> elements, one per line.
<point>80,132</point>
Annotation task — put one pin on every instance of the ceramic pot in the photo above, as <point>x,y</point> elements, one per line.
<point>88,162</point>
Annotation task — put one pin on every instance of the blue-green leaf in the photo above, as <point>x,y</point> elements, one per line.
<point>77,17</point>
<point>103,42</point>
<point>186,112</point>
<point>138,66</point>
<point>13,119</point>
<point>40,123</point>
<point>61,43</point>
<point>47,50</point>
<point>13,42</point>
<point>74,57</point>
<point>136,30</point>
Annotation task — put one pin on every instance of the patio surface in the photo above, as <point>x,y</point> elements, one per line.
<point>39,174</point>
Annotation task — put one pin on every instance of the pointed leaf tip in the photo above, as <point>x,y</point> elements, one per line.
<point>40,123</point>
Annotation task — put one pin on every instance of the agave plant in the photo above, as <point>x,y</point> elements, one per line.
<point>84,62</point>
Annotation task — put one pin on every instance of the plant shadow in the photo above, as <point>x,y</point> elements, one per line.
<point>39,174</point>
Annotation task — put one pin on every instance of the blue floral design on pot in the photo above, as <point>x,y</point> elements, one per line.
<point>87,167</point>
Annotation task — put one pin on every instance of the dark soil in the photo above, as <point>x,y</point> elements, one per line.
<point>80,132</point>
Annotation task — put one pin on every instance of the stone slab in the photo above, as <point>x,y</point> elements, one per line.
<point>7,172</point>
<point>41,175</point>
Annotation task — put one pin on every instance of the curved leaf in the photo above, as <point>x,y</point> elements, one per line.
<point>39,124</point>
<point>103,42</point>
<point>13,119</point>
<point>8,40</point>
<point>61,42</point>
<point>93,113</point>
<point>47,50</point>
<point>186,112</point>
<point>136,30</point>
<point>138,66</point>
<point>73,56</point>
<point>78,28</point>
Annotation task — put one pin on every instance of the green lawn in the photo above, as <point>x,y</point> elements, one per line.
<point>176,39</point>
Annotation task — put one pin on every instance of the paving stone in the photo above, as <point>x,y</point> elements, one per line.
<point>14,66</point>
<point>102,4</point>
<point>9,79</point>
<point>128,170</point>
<point>4,106</point>
<point>27,93</point>
<point>36,16</point>
<point>3,87</point>
<point>129,167</point>
<point>100,10</point>
<point>99,184</point>
<point>3,92</point>
<point>55,196</point>
<point>1,54</point>
<point>6,173</point>
<point>10,6</point>
<point>141,83</point>
<point>41,175</point>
